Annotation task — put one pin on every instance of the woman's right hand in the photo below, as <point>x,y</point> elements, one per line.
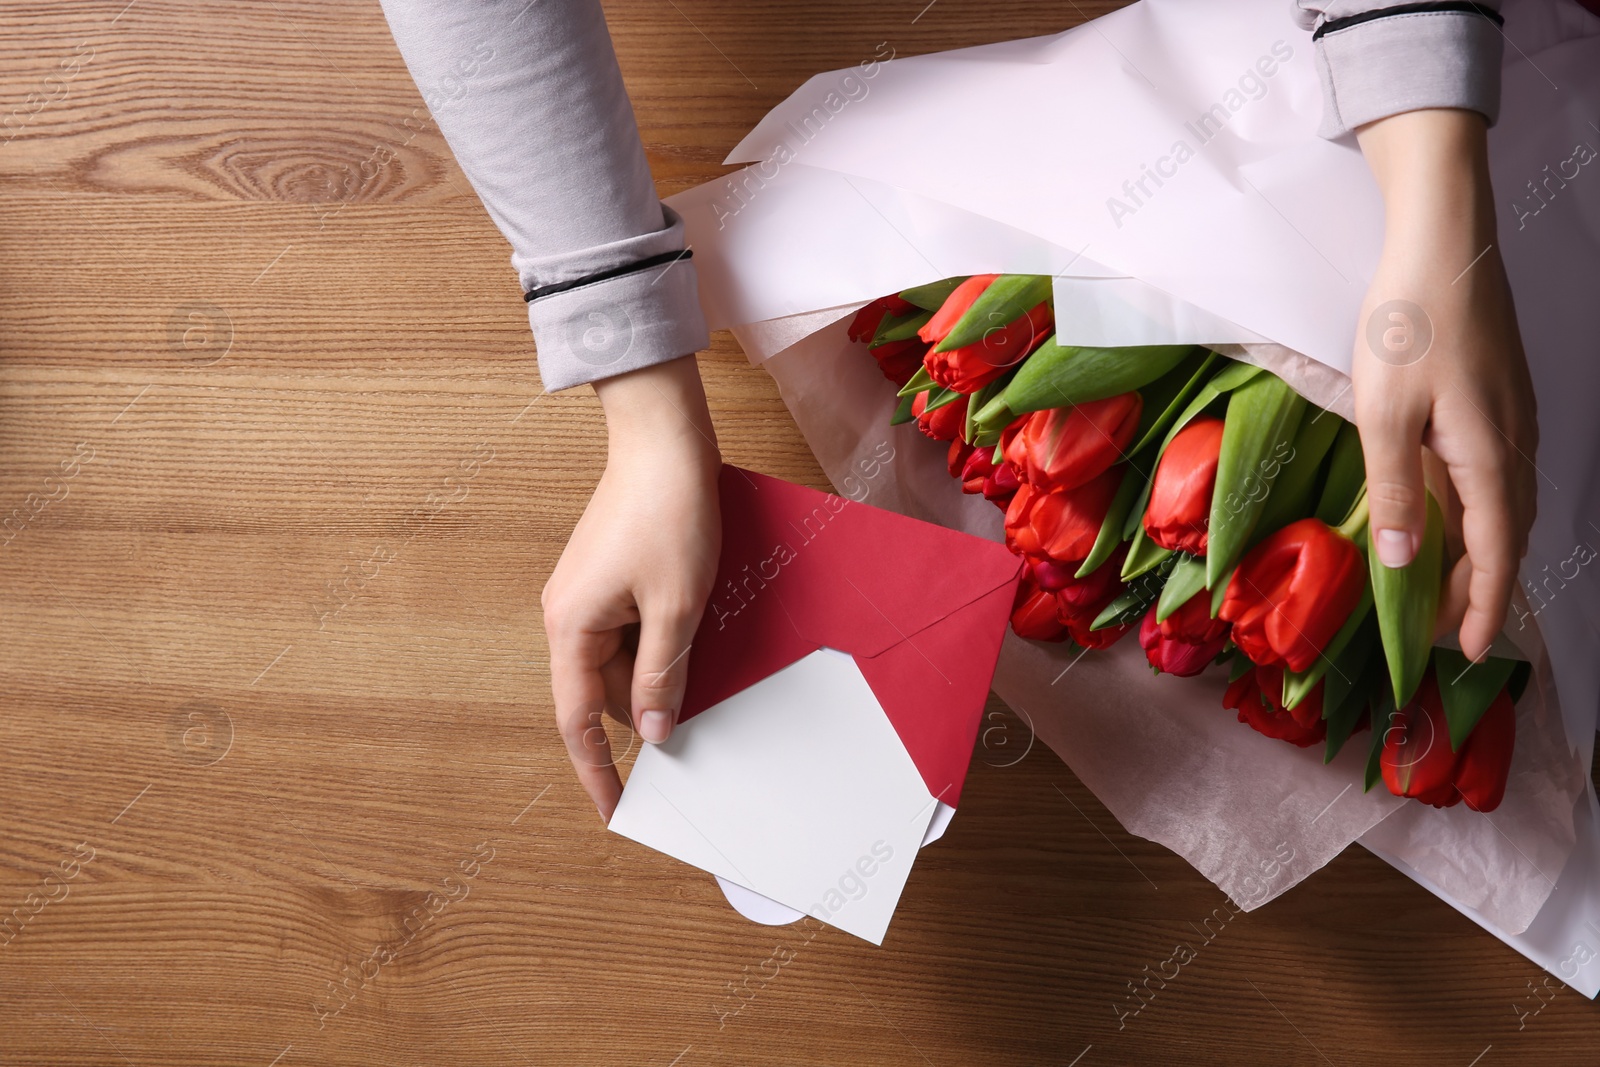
<point>1439,362</point>
<point>626,596</point>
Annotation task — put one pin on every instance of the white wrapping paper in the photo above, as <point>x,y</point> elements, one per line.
<point>1260,244</point>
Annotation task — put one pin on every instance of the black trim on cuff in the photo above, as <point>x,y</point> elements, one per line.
<point>1459,7</point>
<point>606,275</point>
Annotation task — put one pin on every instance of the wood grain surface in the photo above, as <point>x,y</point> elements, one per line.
<point>278,777</point>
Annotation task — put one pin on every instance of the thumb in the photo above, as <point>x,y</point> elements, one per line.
<point>661,669</point>
<point>1391,440</point>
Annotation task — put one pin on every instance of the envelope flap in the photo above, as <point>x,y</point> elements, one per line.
<point>848,575</point>
<point>920,607</point>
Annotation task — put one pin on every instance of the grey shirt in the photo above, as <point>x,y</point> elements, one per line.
<point>1377,60</point>
<point>529,96</point>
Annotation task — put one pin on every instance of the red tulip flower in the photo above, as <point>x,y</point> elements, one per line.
<point>1002,485</point>
<point>1059,525</point>
<point>1098,639</point>
<point>1187,640</point>
<point>900,360</point>
<point>979,474</point>
<point>1179,513</point>
<point>1061,448</point>
<point>1484,762</point>
<point>970,367</point>
<point>1258,697</point>
<point>865,325</point>
<point>1053,605</point>
<point>975,468</point>
<point>1079,601</point>
<point>1292,592</point>
<point>942,423</point>
<point>955,461</point>
<point>1417,761</point>
<point>1033,615</point>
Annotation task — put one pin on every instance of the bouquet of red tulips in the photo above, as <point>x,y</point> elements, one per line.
<point>1205,503</point>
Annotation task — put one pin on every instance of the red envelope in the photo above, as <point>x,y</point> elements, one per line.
<point>922,609</point>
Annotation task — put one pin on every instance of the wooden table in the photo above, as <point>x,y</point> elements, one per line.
<point>278,777</point>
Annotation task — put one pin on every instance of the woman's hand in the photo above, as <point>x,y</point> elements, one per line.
<point>627,594</point>
<point>1439,362</point>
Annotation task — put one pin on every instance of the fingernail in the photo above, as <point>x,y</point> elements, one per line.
<point>654,726</point>
<point>1394,547</point>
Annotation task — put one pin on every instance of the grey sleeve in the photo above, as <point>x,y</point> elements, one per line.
<point>529,96</point>
<point>1377,59</point>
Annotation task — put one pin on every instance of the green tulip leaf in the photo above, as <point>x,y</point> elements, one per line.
<point>1165,397</point>
<point>920,382</point>
<point>1143,554</point>
<point>1229,378</point>
<point>1344,692</point>
<point>1110,536</point>
<point>1226,380</point>
<point>1381,704</point>
<point>1058,375</point>
<point>902,411</point>
<point>1294,490</point>
<point>1297,685</point>
<point>1007,299</point>
<point>1349,663</point>
<point>1187,578</point>
<point>969,430</point>
<point>929,297</point>
<point>1220,593</point>
<point>1466,689</point>
<point>1407,599</point>
<point>1136,599</point>
<point>1347,474</point>
<point>1239,666</point>
<point>1519,679</point>
<point>1257,436</point>
<point>1133,522</point>
<point>900,327</point>
<point>938,398</point>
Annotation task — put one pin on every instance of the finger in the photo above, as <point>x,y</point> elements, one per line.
<point>1489,532</point>
<point>1453,598</point>
<point>580,694</point>
<point>1391,438</point>
<point>617,672</point>
<point>661,668</point>
<point>1436,478</point>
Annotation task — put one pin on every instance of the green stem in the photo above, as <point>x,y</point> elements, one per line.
<point>1355,524</point>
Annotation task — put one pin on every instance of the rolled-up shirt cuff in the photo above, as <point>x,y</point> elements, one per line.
<point>642,308</point>
<point>1374,67</point>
